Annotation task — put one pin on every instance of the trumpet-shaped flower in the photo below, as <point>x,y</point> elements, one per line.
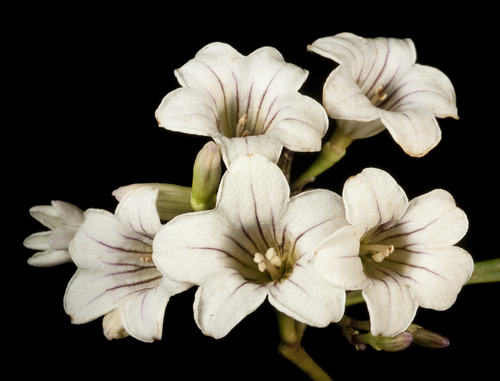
<point>257,243</point>
<point>115,271</point>
<point>247,104</point>
<point>399,253</point>
<point>377,85</point>
<point>63,220</point>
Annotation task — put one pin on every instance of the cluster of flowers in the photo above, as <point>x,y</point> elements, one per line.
<point>244,236</point>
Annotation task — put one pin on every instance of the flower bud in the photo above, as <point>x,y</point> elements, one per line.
<point>206,177</point>
<point>389,344</point>
<point>112,325</point>
<point>172,201</point>
<point>427,339</point>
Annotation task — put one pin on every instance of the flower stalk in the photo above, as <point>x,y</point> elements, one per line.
<point>331,152</point>
<point>291,333</point>
<point>486,272</point>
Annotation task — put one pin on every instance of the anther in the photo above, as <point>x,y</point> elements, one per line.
<point>146,259</point>
<point>240,127</point>
<point>377,97</point>
<point>378,252</point>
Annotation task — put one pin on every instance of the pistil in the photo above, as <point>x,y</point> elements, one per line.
<point>377,252</point>
<point>378,97</point>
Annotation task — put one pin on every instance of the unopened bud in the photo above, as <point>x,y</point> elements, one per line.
<point>112,326</point>
<point>388,344</point>
<point>172,200</point>
<point>206,177</point>
<point>427,339</point>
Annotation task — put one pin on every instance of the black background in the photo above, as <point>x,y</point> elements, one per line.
<point>87,82</point>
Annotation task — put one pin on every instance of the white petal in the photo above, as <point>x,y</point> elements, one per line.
<point>49,258</point>
<point>69,213</point>
<point>422,87</point>
<point>416,131</point>
<point>373,198</point>
<point>46,215</point>
<point>138,211</point>
<point>337,259</point>
<point>38,241</point>
<point>224,301</point>
<point>307,298</point>
<point>61,237</point>
<point>431,221</point>
<point>184,110</point>
<point>94,292</point>
<point>233,148</point>
<point>391,302</point>
<point>142,316</point>
<point>436,275</point>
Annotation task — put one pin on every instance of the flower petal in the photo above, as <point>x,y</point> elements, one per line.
<point>431,221</point>
<point>307,298</point>
<point>391,302</point>
<point>38,241</point>
<point>69,213</point>
<point>142,315</point>
<point>224,301</point>
<point>337,259</point>
<point>233,148</point>
<point>436,276</point>
<point>416,131</point>
<point>373,198</point>
<point>49,258</point>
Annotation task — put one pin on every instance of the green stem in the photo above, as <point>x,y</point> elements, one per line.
<point>331,152</point>
<point>486,272</point>
<point>290,348</point>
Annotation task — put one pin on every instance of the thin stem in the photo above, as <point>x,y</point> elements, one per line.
<point>486,272</point>
<point>290,348</point>
<point>332,151</point>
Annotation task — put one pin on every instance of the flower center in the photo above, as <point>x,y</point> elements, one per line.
<point>240,128</point>
<point>378,96</point>
<point>377,252</point>
<point>269,262</point>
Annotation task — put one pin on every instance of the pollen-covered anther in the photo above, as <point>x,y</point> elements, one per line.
<point>378,252</point>
<point>378,95</point>
<point>267,262</point>
<point>146,258</point>
<point>240,127</point>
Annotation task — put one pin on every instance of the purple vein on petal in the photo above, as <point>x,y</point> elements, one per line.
<point>124,286</point>
<point>119,249</point>
<point>264,95</point>
<point>374,84</point>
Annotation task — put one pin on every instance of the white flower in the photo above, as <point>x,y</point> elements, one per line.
<point>115,270</point>
<point>256,243</point>
<point>377,85</point>
<point>63,220</point>
<point>246,104</point>
<point>399,253</point>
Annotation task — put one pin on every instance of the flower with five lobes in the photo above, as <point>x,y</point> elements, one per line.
<point>377,85</point>
<point>63,220</point>
<point>257,243</point>
<point>115,270</point>
<point>399,252</point>
<point>246,104</point>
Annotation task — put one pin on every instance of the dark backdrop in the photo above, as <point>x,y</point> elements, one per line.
<point>87,82</point>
